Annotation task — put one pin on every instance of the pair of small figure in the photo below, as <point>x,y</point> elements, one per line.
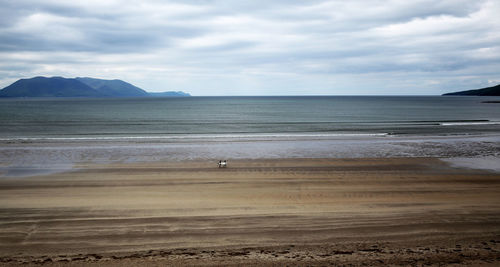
<point>222,163</point>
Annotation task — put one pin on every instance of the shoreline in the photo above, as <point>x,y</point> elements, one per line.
<point>36,158</point>
<point>375,211</point>
<point>243,137</point>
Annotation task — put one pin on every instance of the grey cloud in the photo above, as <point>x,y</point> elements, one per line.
<point>185,43</point>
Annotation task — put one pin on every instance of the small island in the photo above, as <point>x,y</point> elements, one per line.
<point>78,87</point>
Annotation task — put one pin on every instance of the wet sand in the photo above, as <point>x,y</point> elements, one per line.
<point>398,211</point>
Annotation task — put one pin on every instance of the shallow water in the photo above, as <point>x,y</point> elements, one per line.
<point>45,157</point>
<point>39,136</point>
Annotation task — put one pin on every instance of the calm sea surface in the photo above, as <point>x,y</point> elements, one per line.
<point>245,117</point>
<point>41,136</point>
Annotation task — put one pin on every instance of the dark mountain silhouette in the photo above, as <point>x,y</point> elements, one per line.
<point>115,88</point>
<point>488,91</point>
<point>49,87</point>
<point>76,87</point>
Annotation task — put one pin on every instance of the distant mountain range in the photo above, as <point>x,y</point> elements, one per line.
<point>169,93</point>
<point>488,91</point>
<point>78,87</point>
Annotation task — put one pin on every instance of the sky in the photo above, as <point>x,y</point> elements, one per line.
<point>279,47</point>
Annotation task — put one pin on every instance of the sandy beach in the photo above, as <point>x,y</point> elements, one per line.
<point>396,211</point>
<point>356,133</point>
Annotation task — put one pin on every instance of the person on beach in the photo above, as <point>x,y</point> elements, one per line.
<point>222,164</point>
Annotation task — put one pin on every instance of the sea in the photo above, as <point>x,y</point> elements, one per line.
<point>64,132</point>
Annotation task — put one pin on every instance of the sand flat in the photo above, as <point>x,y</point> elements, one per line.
<point>256,212</point>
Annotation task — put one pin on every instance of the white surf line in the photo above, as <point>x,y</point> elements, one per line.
<point>469,123</point>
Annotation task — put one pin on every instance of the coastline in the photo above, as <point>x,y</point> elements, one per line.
<point>375,211</point>
<point>19,157</point>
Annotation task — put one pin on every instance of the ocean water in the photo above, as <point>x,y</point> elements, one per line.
<point>41,136</point>
<point>224,118</point>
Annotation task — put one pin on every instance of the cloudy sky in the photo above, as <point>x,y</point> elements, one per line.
<point>279,47</point>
